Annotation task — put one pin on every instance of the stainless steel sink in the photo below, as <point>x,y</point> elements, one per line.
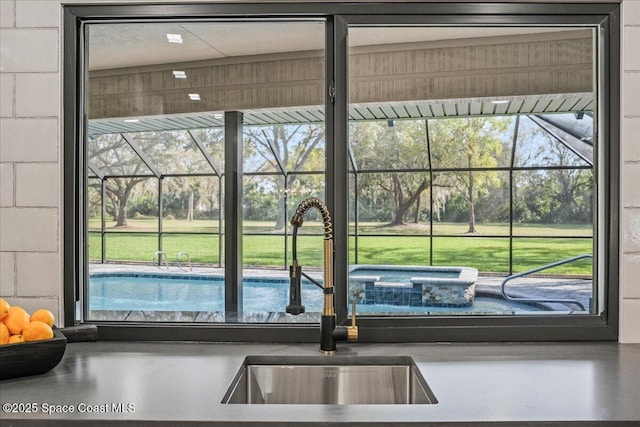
<point>329,380</point>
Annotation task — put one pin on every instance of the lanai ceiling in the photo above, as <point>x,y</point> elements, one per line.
<point>377,111</point>
<point>122,45</point>
<point>123,55</point>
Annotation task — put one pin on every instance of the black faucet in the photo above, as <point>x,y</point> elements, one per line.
<point>329,332</point>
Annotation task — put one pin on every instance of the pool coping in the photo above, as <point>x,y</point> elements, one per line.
<point>467,275</point>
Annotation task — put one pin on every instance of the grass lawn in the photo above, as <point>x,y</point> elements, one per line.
<point>447,228</point>
<point>405,245</point>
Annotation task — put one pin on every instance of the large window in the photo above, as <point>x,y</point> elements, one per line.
<point>156,165</point>
<point>469,170</point>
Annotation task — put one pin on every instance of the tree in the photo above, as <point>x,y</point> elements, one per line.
<point>209,187</point>
<point>550,196</point>
<point>297,147</point>
<point>465,143</point>
<point>118,191</point>
<point>111,153</point>
<point>169,152</point>
<point>377,145</point>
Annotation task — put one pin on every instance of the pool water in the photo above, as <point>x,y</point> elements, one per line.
<point>153,294</point>
<point>404,275</point>
<point>142,293</point>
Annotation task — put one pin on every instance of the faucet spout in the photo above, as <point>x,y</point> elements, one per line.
<point>313,202</point>
<point>329,333</point>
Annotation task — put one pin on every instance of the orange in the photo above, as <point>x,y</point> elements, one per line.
<point>4,334</point>
<point>15,319</point>
<point>36,331</point>
<point>4,308</point>
<point>13,339</point>
<point>43,315</point>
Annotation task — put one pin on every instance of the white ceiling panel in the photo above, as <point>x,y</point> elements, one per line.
<point>542,104</point>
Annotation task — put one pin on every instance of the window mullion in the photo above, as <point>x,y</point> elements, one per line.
<point>337,158</point>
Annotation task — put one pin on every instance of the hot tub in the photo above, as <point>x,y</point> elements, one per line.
<point>413,285</point>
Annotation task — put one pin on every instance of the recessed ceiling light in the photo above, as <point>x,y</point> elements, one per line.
<point>500,102</point>
<point>131,120</point>
<point>179,74</point>
<point>194,96</point>
<point>174,38</point>
<point>218,115</point>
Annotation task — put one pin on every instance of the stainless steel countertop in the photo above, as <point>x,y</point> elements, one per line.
<point>181,383</point>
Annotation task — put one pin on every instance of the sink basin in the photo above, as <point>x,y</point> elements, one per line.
<point>329,380</point>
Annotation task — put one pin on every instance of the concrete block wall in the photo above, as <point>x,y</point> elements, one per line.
<point>630,174</point>
<point>31,157</point>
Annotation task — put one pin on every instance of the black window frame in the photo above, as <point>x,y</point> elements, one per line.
<point>338,16</point>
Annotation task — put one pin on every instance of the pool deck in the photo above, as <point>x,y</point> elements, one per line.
<point>537,287</point>
<point>540,287</point>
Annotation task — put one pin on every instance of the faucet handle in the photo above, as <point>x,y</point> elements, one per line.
<point>352,331</point>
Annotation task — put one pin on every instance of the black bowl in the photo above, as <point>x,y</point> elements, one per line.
<point>31,358</point>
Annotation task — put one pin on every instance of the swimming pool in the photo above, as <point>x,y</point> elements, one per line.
<point>158,292</point>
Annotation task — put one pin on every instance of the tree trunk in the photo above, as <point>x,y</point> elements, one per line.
<point>121,220</point>
<point>281,210</point>
<point>190,209</point>
<point>436,205</point>
<point>123,202</point>
<point>416,218</point>
<point>516,204</point>
<point>403,206</point>
<point>472,218</point>
<point>114,211</point>
<point>118,193</point>
<point>397,220</point>
<point>472,207</point>
<point>400,208</point>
